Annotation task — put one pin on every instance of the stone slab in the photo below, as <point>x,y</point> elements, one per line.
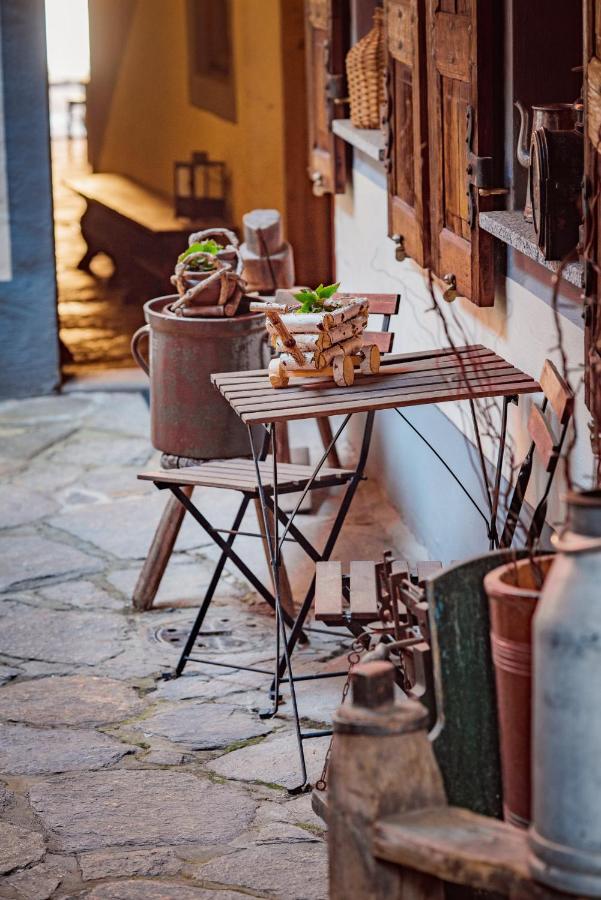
<point>88,447</point>
<point>60,636</point>
<point>7,798</point>
<point>19,847</point>
<point>124,863</point>
<point>19,506</point>
<point>31,558</point>
<point>161,890</point>
<point>51,409</point>
<point>25,750</point>
<point>290,864</point>
<point>7,673</point>
<point>139,808</point>
<point>82,595</point>
<point>39,882</point>
<point>273,761</point>
<point>69,700</point>
<point>24,441</point>
<point>205,726</point>
<point>130,415</point>
<point>137,519</point>
<point>184,582</point>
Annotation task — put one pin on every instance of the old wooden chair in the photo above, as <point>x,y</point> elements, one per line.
<point>240,475</point>
<point>352,601</point>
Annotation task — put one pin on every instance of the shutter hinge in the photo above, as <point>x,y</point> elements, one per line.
<point>479,171</point>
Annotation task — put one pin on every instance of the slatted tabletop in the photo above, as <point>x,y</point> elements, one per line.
<point>407,379</point>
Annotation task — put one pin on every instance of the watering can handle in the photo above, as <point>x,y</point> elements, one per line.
<point>144,331</point>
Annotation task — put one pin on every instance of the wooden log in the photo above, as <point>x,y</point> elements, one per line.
<point>319,340</point>
<point>159,554</point>
<point>311,322</point>
<point>345,348</point>
<point>263,231</point>
<point>366,782</point>
<point>277,322</point>
<point>266,273</point>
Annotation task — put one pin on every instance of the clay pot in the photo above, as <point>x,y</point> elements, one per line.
<point>513,591</point>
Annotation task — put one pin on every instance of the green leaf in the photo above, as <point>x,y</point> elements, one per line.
<point>326,292</point>
<point>209,246</point>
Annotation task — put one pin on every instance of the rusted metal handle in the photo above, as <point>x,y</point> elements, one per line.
<point>144,331</point>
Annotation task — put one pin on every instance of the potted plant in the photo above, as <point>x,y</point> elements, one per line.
<point>208,273</point>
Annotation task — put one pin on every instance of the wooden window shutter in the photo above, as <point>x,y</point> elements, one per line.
<point>406,127</point>
<point>465,124</point>
<point>327,35</point>
<point>592,164</point>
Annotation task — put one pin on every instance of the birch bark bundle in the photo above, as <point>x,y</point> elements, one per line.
<point>268,259</point>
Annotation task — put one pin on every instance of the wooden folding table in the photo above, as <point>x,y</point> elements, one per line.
<point>467,373</point>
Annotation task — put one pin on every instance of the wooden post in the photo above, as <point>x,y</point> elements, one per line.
<point>325,431</point>
<point>163,542</point>
<point>285,589</point>
<point>381,763</point>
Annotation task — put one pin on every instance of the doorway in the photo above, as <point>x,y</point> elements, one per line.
<point>95,320</point>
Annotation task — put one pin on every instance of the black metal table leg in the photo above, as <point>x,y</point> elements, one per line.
<point>274,545</point>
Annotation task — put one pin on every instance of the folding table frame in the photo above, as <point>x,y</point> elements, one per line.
<point>236,475</point>
<point>460,374</point>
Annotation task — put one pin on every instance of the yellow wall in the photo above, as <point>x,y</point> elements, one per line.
<point>151,122</point>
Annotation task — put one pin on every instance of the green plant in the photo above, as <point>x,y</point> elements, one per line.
<point>313,301</point>
<point>209,246</point>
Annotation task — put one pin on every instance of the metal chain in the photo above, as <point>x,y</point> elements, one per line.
<point>354,658</point>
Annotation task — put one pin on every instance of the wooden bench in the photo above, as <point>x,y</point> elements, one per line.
<point>136,227</point>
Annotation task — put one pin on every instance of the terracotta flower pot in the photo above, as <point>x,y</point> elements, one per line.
<point>513,591</point>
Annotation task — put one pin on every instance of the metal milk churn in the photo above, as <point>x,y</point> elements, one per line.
<point>565,835</point>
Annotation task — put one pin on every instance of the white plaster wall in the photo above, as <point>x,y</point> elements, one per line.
<point>520,327</point>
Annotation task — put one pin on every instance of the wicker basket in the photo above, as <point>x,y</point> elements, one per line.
<point>365,72</point>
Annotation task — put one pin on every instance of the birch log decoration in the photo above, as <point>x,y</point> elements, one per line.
<point>324,339</point>
<point>277,322</point>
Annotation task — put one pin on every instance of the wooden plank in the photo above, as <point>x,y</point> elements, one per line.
<point>544,441</point>
<point>369,386</point>
<point>219,378</point>
<point>382,339</point>
<point>449,365</point>
<point>328,592</point>
<point>424,388</point>
<point>461,847</point>
<point>261,389</point>
<point>363,590</point>
<point>198,479</point>
<point>344,405</point>
<point>379,304</point>
<point>557,392</point>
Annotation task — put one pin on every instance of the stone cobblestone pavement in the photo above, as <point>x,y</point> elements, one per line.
<point>116,784</point>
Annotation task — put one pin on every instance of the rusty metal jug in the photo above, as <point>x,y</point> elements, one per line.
<point>188,416</point>
<point>555,117</point>
<point>565,836</point>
